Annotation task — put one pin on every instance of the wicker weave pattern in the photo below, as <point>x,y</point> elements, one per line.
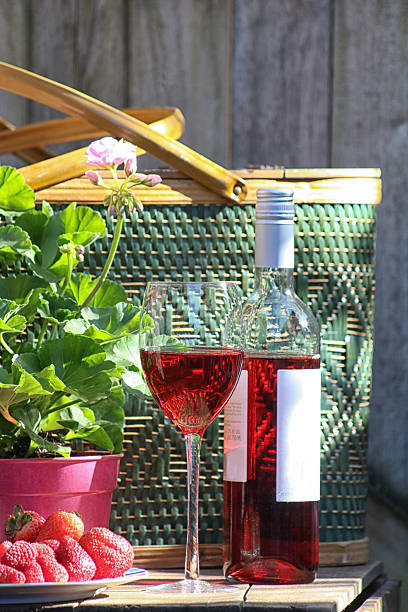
<point>335,275</point>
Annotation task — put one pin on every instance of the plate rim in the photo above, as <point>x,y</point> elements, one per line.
<point>134,573</point>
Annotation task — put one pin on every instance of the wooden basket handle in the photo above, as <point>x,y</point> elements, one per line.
<point>30,155</point>
<point>47,170</point>
<point>117,123</point>
<point>166,120</point>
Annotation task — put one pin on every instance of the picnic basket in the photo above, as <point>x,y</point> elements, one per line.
<point>199,223</point>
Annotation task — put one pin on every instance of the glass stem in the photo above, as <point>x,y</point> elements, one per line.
<point>192,564</point>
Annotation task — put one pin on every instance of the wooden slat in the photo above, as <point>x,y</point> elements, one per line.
<point>102,44</point>
<point>370,128</point>
<point>386,598</point>
<point>294,174</point>
<point>281,83</point>
<point>332,591</point>
<point>53,22</point>
<point>13,49</point>
<point>180,191</point>
<point>354,552</point>
<point>323,173</point>
<point>178,56</point>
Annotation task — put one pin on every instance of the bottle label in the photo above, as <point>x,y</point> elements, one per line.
<point>298,435</point>
<point>235,432</point>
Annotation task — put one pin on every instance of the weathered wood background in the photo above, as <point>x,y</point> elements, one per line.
<point>302,83</point>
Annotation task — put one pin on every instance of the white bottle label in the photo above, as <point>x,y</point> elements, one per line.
<point>298,436</point>
<point>235,432</point>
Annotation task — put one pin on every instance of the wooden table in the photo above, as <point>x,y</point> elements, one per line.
<point>364,588</point>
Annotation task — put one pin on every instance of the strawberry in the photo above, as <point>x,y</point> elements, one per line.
<point>9,575</point>
<point>59,524</point>
<point>75,559</point>
<point>5,545</point>
<point>33,572</point>
<point>112,553</point>
<point>23,525</point>
<point>52,570</point>
<point>20,555</point>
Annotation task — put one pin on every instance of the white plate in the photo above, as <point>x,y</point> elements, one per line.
<point>57,591</point>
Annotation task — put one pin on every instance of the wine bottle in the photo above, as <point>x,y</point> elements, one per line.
<point>272,422</point>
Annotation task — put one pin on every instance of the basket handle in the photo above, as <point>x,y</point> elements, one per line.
<point>166,120</point>
<point>72,102</point>
<point>31,154</point>
<point>46,170</point>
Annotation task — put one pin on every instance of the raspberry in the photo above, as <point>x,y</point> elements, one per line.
<point>19,555</point>
<point>33,572</point>
<point>9,575</point>
<point>52,570</point>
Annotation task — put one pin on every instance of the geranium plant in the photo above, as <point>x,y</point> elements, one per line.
<point>68,341</point>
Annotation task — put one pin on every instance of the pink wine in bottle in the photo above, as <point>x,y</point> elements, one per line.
<point>191,385</point>
<point>272,421</point>
<point>268,540</point>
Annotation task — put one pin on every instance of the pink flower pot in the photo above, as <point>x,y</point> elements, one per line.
<point>84,484</point>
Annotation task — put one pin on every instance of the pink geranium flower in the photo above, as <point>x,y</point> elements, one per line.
<point>108,151</point>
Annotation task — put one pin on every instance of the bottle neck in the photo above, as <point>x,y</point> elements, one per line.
<point>273,279</point>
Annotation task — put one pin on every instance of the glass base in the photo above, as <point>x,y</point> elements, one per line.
<point>187,586</point>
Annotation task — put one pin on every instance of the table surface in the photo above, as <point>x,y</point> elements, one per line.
<point>334,589</point>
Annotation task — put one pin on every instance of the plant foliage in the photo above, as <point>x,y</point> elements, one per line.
<point>69,342</point>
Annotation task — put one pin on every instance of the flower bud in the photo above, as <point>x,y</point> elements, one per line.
<point>131,165</point>
<point>67,248</point>
<point>94,177</point>
<point>152,179</point>
<point>79,250</point>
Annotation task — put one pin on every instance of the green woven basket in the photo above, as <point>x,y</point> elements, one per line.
<point>185,232</point>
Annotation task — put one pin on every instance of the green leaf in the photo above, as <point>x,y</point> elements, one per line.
<point>58,309</point>
<point>14,325</point>
<point>80,364</point>
<point>15,195</point>
<point>47,209</point>
<point>18,288</point>
<point>27,386</point>
<point>51,447</point>
<point>108,294</point>
<point>45,376</point>
<point>95,434</point>
<point>82,225</point>
<point>33,222</point>
<point>125,351</point>
<point>135,383</point>
<point>29,417</point>
<point>111,408</point>
<point>14,244</point>
<point>106,324</point>
<point>74,418</point>
<point>50,238</point>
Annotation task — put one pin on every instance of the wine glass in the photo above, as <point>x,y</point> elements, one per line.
<point>191,355</point>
